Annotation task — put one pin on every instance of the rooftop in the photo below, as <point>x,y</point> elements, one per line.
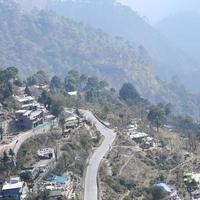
<point>71,118</point>
<point>73,93</point>
<point>15,179</point>
<point>44,151</point>
<point>49,116</point>
<point>58,179</point>
<point>24,99</point>
<point>29,105</point>
<point>20,111</point>
<point>165,187</point>
<point>35,114</point>
<point>27,113</point>
<point>11,186</point>
<point>139,135</point>
<point>55,193</point>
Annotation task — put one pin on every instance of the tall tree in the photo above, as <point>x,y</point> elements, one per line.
<point>156,116</point>
<point>82,81</point>
<point>27,91</point>
<point>5,160</point>
<point>156,193</point>
<point>56,83</point>
<point>72,81</point>
<point>40,77</point>
<point>1,132</point>
<point>45,99</point>
<point>62,120</point>
<point>129,94</point>
<point>103,84</point>
<point>11,153</point>
<point>92,83</point>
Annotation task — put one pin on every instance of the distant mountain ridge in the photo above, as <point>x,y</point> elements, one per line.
<point>183,29</point>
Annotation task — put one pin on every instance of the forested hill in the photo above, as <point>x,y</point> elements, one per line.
<point>42,40</point>
<point>118,20</point>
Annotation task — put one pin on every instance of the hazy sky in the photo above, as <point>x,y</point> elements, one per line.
<point>158,9</point>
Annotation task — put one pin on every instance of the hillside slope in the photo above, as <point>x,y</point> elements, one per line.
<point>121,21</point>
<point>41,40</point>
<point>44,41</point>
<point>183,29</point>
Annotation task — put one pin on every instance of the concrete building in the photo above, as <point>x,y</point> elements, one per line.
<point>24,100</point>
<point>44,165</point>
<point>55,195</point>
<point>58,180</point>
<point>32,172</point>
<point>47,158</point>
<point>28,119</point>
<point>71,120</point>
<point>47,153</point>
<point>15,188</point>
<point>138,136</point>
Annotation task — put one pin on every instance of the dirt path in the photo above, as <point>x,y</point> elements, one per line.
<point>125,164</point>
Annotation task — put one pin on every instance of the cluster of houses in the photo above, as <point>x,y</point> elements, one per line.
<point>19,186</point>
<point>192,184</point>
<point>144,140</point>
<point>58,186</point>
<point>30,113</point>
<point>61,185</point>
<point>46,159</point>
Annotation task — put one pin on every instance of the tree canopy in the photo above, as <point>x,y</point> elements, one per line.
<point>129,94</point>
<point>156,116</point>
<point>156,193</point>
<point>40,77</point>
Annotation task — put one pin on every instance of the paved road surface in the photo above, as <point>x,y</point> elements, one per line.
<point>90,188</point>
<point>21,138</point>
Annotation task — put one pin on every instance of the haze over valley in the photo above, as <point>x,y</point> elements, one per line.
<point>99,99</point>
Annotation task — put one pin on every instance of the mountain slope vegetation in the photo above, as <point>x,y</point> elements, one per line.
<point>42,40</point>
<point>121,21</point>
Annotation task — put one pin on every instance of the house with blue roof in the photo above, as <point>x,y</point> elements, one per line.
<point>60,180</point>
<point>172,194</point>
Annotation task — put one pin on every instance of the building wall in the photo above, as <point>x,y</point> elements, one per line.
<point>12,193</point>
<point>24,122</point>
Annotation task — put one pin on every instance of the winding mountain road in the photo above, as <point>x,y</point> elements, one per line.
<point>90,187</point>
<point>21,138</point>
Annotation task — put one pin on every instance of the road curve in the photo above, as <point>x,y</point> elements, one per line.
<point>21,138</point>
<point>90,187</point>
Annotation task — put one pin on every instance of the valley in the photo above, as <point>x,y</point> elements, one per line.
<point>97,102</point>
